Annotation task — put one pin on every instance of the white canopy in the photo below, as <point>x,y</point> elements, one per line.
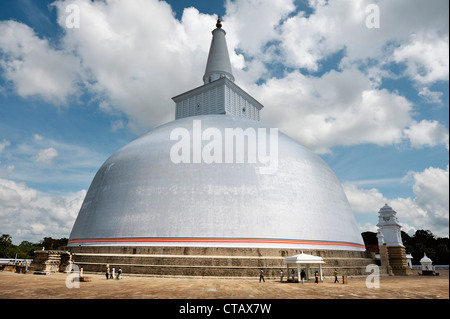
<point>304,259</point>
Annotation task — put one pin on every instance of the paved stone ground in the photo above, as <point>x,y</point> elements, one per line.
<point>29,286</point>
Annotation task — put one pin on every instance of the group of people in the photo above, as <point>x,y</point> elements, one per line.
<point>302,276</point>
<point>111,273</point>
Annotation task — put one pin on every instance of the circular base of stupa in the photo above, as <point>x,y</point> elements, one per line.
<point>213,261</point>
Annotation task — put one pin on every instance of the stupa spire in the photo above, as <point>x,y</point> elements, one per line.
<point>218,65</point>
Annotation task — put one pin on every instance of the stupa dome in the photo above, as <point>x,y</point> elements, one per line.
<point>425,259</point>
<point>141,197</point>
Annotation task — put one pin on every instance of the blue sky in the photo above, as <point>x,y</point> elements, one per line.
<point>373,102</point>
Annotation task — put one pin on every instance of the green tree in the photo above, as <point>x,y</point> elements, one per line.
<point>6,246</point>
<point>50,243</point>
<point>26,249</point>
<point>422,242</point>
<point>424,236</point>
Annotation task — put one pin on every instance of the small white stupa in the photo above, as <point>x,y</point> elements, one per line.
<point>427,265</point>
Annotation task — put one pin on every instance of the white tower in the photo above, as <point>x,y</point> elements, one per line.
<point>389,233</point>
<point>389,226</point>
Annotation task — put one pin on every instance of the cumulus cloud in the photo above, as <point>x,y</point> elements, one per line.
<point>429,209</point>
<point>132,56</point>
<point>431,188</point>
<point>256,23</point>
<point>338,108</point>
<point>33,67</point>
<point>363,200</point>
<point>27,214</point>
<point>14,195</point>
<point>136,55</point>
<point>427,133</point>
<point>425,57</point>
<point>346,106</point>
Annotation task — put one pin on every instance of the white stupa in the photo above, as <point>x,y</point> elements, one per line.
<point>178,185</point>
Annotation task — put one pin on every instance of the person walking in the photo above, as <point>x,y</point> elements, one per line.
<point>335,276</point>
<point>119,273</point>
<point>316,274</point>
<point>261,275</point>
<point>302,276</point>
<point>293,274</point>
<point>107,272</point>
<point>281,275</point>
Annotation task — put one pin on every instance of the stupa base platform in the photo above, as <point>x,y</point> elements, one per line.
<point>212,261</point>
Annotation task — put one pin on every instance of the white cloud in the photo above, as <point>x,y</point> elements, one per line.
<point>34,68</point>
<point>134,55</point>
<point>4,144</point>
<point>368,227</point>
<point>431,188</point>
<point>27,214</point>
<point>46,156</point>
<point>341,25</point>
<point>344,107</point>
<point>38,137</point>
<point>117,125</point>
<point>431,96</point>
<point>426,58</point>
<point>429,209</point>
<point>338,108</point>
<point>427,133</point>
<point>363,200</point>
<point>255,22</point>
<point>14,195</point>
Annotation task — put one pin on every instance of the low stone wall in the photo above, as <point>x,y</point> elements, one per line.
<point>50,261</point>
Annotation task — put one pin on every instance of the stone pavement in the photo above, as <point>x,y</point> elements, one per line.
<point>53,286</point>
